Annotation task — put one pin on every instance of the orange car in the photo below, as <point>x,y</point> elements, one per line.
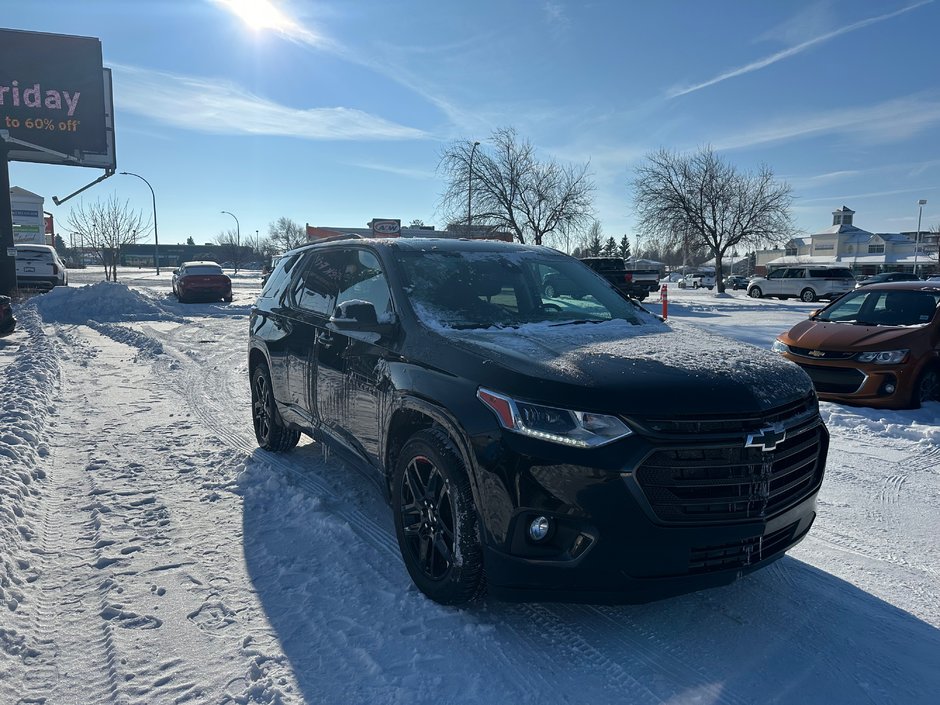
<point>877,346</point>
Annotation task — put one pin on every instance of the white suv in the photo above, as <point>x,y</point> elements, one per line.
<point>39,266</point>
<point>805,282</point>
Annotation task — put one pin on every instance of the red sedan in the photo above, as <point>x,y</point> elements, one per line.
<point>201,281</point>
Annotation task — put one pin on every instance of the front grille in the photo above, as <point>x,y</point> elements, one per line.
<point>835,380</point>
<point>821,354</point>
<point>740,554</point>
<point>723,424</point>
<point>723,482</point>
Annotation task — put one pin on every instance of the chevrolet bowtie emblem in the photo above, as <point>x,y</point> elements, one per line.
<point>766,439</point>
<point>817,353</point>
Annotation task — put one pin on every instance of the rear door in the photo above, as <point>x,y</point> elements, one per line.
<point>312,299</point>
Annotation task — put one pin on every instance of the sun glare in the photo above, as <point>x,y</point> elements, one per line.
<point>260,14</point>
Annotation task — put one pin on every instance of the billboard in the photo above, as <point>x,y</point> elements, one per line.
<point>55,98</point>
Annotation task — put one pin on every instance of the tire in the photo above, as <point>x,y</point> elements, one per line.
<point>436,519</point>
<point>808,296</point>
<point>710,288</point>
<point>927,387</point>
<point>754,292</point>
<point>270,431</point>
<point>550,292</point>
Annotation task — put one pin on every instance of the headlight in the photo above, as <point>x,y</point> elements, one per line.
<point>885,357</point>
<point>779,347</point>
<point>581,429</point>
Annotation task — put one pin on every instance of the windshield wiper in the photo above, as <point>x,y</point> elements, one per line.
<point>577,322</point>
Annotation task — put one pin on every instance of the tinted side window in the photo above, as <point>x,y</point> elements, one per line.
<point>795,273</point>
<point>279,277</point>
<point>315,289</point>
<point>364,279</point>
<point>831,273</point>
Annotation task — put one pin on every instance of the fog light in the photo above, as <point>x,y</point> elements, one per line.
<point>538,529</point>
<point>889,389</point>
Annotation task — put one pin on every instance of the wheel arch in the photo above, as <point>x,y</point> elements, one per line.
<point>412,415</point>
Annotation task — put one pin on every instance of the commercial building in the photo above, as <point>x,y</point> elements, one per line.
<point>29,226</point>
<point>864,252</point>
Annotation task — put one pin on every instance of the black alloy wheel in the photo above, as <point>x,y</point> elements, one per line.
<point>270,431</point>
<point>927,387</point>
<point>436,519</point>
<point>550,291</point>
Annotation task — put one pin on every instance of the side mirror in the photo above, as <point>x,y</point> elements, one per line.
<point>815,313</point>
<point>176,271</point>
<point>358,315</point>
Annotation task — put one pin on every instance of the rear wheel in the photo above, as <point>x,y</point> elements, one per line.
<point>550,291</point>
<point>270,431</point>
<point>436,519</point>
<point>808,295</point>
<point>754,292</point>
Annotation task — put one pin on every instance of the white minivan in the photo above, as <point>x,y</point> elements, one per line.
<point>39,266</point>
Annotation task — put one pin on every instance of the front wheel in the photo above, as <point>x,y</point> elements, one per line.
<point>808,295</point>
<point>436,519</point>
<point>927,387</point>
<point>754,292</point>
<point>270,431</point>
<point>550,291</point>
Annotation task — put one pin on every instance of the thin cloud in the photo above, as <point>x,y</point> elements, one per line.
<point>221,107</point>
<point>397,170</point>
<point>871,194</point>
<point>892,121</point>
<point>792,51</point>
<point>264,15</point>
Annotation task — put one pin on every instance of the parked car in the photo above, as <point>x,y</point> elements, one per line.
<point>201,280</point>
<point>555,284</point>
<point>696,280</point>
<point>808,283</point>
<point>530,444</point>
<point>887,277</point>
<point>878,346</point>
<point>736,281</point>
<point>39,267</point>
<point>7,321</point>
<point>637,283</point>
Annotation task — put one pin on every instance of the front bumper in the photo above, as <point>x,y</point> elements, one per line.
<point>623,533</point>
<point>851,382</point>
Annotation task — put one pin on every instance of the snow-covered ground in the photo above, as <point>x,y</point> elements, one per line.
<point>150,553</point>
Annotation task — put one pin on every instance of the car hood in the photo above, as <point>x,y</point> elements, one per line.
<point>614,366</point>
<point>819,335</point>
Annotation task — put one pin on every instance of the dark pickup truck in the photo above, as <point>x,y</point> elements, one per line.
<point>637,283</point>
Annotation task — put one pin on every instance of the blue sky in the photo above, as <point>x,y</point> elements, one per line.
<point>332,113</point>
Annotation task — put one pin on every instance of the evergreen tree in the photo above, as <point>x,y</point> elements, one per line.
<point>624,249</point>
<point>610,248</point>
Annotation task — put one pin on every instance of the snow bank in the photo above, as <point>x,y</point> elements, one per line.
<point>919,425</point>
<point>104,301</point>
<point>27,398</point>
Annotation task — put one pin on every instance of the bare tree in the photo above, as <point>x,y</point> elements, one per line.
<point>230,248</point>
<point>510,189</point>
<point>591,241</point>
<point>285,234</point>
<point>105,226</point>
<point>709,201</point>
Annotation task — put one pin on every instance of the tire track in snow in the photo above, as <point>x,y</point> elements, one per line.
<point>208,404</point>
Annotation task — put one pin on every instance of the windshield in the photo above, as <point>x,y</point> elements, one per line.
<point>883,308</point>
<point>483,289</point>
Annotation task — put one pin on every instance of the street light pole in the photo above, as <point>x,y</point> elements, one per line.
<point>238,238</point>
<point>156,241</point>
<point>920,211</point>
<point>470,184</point>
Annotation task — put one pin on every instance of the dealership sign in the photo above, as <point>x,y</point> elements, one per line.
<point>52,95</point>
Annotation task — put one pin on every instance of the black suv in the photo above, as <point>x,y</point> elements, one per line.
<point>536,443</point>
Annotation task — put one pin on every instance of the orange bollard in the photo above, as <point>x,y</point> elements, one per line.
<point>664,297</point>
